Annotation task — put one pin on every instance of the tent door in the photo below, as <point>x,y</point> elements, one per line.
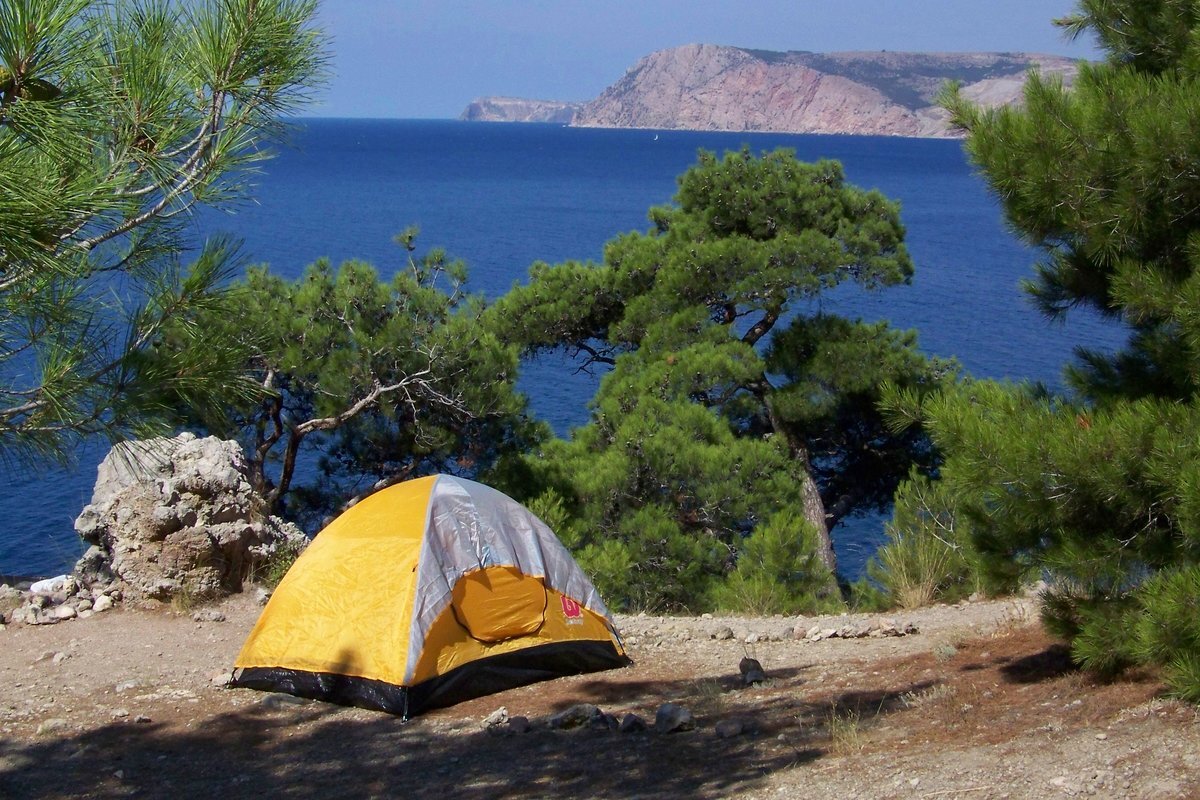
<point>495,604</point>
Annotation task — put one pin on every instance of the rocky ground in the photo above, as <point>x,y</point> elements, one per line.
<point>972,702</point>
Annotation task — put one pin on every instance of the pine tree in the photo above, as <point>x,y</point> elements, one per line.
<point>1097,491</point>
<point>371,381</point>
<point>116,120</point>
<point>723,405</point>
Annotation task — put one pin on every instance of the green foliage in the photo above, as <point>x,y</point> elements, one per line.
<point>929,556</point>
<point>1168,628</point>
<point>1097,492</point>
<point>392,379</point>
<point>721,402</point>
<point>778,571</point>
<point>835,374</point>
<point>116,120</point>
<point>272,571</point>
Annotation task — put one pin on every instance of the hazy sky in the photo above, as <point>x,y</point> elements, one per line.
<point>429,58</point>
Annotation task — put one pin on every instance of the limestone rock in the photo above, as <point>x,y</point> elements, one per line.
<point>752,671</point>
<point>177,515</point>
<point>497,717</point>
<point>576,716</point>
<point>733,727</point>
<point>672,718</point>
<point>631,723</point>
<point>10,600</point>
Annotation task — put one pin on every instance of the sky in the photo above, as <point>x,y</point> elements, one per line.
<point>427,59</point>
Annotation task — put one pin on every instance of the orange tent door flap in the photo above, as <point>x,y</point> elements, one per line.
<point>496,604</point>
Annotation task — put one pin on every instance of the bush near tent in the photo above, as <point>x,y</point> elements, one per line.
<point>425,594</point>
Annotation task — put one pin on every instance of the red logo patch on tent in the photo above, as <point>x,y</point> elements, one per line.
<point>571,609</point>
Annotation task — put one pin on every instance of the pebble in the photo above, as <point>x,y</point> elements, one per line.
<point>102,603</point>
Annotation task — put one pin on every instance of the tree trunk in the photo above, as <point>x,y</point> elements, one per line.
<point>814,506</point>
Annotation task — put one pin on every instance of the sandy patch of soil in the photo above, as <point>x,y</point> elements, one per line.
<point>978,704</point>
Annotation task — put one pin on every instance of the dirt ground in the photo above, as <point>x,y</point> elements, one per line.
<point>978,704</point>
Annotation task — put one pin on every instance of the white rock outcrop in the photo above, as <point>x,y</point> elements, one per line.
<point>173,516</point>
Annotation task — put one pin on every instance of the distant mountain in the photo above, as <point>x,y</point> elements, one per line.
<point>514,109</point>
<point>710,87</point>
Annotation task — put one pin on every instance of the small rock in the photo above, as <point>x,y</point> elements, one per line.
<point>261,596</point>
<point>729,728</point>
<point>102,603</point>
<point>59,658</point>
<point>120,713</point>
<point>724,634</point>
<point>706,615</point>
<point>752,671</point>
<point>671,718</point>
<point>575,717</point>
<point>141,719</point>
<point>65,612</point>
<point>519,724</point>
<point>632,723</point>
<point>497,717</point>
<point>51,726</point>
<point>208,615</point>
<point>1101,736</point>
<point>813,633</point>
<point>50,585</point>
<point>221,678</point>
<point>278,700</point>
<point>605,722</point>
<point>125,686</point>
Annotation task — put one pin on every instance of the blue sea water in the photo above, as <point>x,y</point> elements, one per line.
<point>504,196</point>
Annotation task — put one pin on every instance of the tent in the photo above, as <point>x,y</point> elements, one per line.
<point>424,594</point>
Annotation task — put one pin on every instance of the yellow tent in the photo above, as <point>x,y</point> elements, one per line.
<point>425,594</point>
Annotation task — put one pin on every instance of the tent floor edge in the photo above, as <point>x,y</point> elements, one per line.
<point>510,670</point>
<point>345,690</point>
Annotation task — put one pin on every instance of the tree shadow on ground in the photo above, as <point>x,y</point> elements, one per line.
<point>316,750</point>
<point>1053,662</point>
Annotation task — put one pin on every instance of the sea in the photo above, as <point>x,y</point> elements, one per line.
<point>503,196</point>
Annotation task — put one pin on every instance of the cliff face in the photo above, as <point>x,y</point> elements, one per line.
<point>708,87</point>
<point>514,109</point>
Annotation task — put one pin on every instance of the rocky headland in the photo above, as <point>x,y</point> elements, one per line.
<point>712,87</point>
<point>516,109</point>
